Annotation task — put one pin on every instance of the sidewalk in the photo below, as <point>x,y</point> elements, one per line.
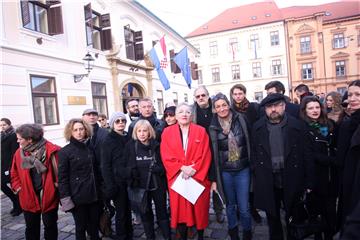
<point>13,228</point>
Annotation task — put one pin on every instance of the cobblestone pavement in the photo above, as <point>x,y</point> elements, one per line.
<point>13,228</point>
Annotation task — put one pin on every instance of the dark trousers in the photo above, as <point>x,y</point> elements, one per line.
<point>87,217</point>
<point>9,193</point>
<point>326,206</point>
<point>274,221</point>
<point>159,198</point>
<point>123,223</point>
<point>33,225</point>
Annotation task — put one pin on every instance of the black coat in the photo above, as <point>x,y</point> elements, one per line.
<point>78,173</point>
<point>297,171</point>
<point>9,146</point>
<point>157,124</point>
<point>349,158</point>
<point>323,152</point>
<point>113,162</point>
<point>136,172</point>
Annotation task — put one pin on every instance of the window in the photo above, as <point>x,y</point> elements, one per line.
<point>233,45</point>
<point>194,71</point>
<point>42,16</point>
<point>186,97</point>
<point>340,68</point>
<point>133,44</point>
<point>200,78</point>
<point>254,41</point>
<point>197,47</point>
<point>213,48</point>
<point>342,90</point>
<point>215,74</point>
<point>98,29</point>
<point>305,44</point>
<point>44,99</point>
<point>99,97</point>
<point>307,71</point>
<point>276,67</point>
<point>256,68</point>
<point>258,96</point>
<point>175,98</point>
<point>235,72</point>
<point>173,66</point>
<point>160,101</point>
<point>339,40</point>
<point>274,38</point>
<point>358,37</point>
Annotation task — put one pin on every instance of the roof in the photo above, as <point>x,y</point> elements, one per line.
<point>268,12</point>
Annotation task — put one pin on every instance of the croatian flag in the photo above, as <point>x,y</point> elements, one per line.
<point>161,61</point>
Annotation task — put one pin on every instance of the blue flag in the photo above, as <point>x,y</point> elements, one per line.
<point>181,59</point>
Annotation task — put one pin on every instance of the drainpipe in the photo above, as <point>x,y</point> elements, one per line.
<point>322,37</point>
<point>288,60</point>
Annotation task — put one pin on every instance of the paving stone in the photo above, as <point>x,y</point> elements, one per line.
<point>17,226</point>
<point>68,228</point>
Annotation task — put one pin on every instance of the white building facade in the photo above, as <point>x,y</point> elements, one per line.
<point>42,47</point>
<point>252,56</point>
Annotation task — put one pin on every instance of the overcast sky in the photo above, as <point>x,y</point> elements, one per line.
<point>184,16</point>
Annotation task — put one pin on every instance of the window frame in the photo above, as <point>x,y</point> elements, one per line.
<point>235,72</point>
<point>256,69</point>
<point>99,97</point>
<point>160,101</point>
<point>213,48</point>
<point>305,44</point>
<point>339,41</point>
<point>306,71</point>
<point>276,41</point>
<point>136,45</point>
<point>215,74</point>
<point>45,95</point>
<point>340,64</point>
<point>276,68</point>
<point>200,77</point>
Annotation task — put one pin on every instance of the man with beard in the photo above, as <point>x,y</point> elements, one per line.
<point>280,160</point>
<point>202,115</point>
<point>147,112</point>
<point>132,108</point>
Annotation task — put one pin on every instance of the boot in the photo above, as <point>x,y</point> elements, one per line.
<point>234,233</point>
<point>247,235</point>
<point>200,234</point>
<point>149,230</point>
<point>164,226</point>
<point>183,231</point>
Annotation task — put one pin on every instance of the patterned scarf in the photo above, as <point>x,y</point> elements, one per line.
<point>242,106</point>
<point>234,151</point>
<point>322,129</point>
<point>36,158</point>
<point>5,134</point>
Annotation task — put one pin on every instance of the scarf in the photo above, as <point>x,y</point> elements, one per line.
<point>276,141</point>
<point>233,148</point>
<point>322,129</point>
<point>242,106</point>
<point>8,132</point>
<point>36,158</point>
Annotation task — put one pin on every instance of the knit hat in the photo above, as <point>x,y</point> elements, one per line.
<point>114,117</point>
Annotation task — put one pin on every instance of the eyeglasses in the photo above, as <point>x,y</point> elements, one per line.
<point>120,121</point>
<point>169,114</point>
<point>200,95</point>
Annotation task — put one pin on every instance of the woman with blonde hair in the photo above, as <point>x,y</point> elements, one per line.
<point>144,169</point>
<point>334,108</point>
<point>79,183</point>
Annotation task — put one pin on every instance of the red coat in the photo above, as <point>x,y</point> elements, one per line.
<point>173,157</point>
<point>21,178</point>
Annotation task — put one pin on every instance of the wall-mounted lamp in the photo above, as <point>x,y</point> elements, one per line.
<point>88,62</point>
<point>134,69</point>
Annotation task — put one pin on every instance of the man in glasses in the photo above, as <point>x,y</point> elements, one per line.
<point>202,115</point>
<point>102,119</point>
<point>132,108</point>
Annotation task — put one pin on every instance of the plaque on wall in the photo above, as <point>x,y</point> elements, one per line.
<point>76,100</point>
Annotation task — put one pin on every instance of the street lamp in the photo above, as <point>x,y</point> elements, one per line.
<point>88,62</point>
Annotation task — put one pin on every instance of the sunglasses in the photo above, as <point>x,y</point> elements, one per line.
<point>169,114</point>
<point>201,95</point>
<point>120,121</point>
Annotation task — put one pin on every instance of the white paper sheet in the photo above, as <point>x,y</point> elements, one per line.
<point>189,188</point>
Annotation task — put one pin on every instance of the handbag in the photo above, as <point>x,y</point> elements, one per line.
<point>302,223</point>
<point>105,222</point>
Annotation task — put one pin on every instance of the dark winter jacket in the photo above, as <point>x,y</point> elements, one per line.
<point>157,124</point>
<point>9,146</point>
<point>78,173</point>
<point>251,114</point>
<point>349,158</point>
<point>219,143</point>
<point>137,169</point>
<point>114,162</point>
<point>298,165</point>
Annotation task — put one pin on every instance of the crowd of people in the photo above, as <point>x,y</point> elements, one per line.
<point>247,156</point>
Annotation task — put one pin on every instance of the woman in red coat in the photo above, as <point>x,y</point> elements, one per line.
<point>185,150</point>
<point>33,178</point>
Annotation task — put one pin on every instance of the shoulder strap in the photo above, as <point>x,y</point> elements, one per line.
<point>55,170</point>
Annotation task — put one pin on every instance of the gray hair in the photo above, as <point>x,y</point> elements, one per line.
<point>201,87</point>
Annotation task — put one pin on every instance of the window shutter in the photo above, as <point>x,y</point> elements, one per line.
<point>139,51</point>
<point>138,37</point>
<point>25,12</point>
<point>174,66</point>
<point>55,18</point>
<point>105,21</point>
<point>105,38</point>
<point>88,12</point>
<point>194,71</point>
